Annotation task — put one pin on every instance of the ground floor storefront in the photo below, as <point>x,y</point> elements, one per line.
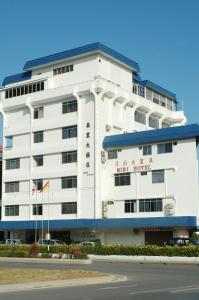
<point>108,231</point>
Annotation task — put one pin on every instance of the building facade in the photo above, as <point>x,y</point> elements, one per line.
<point>91,151</point>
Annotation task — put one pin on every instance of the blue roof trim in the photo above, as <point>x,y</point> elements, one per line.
<point>136,77</point>
<point>184,221</point>
<point>158,89</point>
<point>17,78</point>
<point>80,51</point>
<point>152,136</point>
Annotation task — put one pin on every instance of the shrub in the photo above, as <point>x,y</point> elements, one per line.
<point>45,255</point>
<point>34,250</point>
<point>74,252</point>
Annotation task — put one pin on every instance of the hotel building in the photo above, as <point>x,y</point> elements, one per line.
<point>114,152</point>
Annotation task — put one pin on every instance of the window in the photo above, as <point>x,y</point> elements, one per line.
<point>149,94</point>
<point>158,176</point>
<point>140,117</point>
<point>12,164</point>
<point>150,205</point>
<point>11,210</point>
<point>37,209</point>
<point>69,182</point>
<point>122,179</point>
<point>38,137</point>
<point>154,123</point>
<point>112,154</point>
<point>69,157</point>
<point>9,141</point>
<point>69,106</point>
<point>38,112</point>
<point>147,150</point>
<point>69,208</point>
<point>25,89</point>
<point>130,206</point>
<point>63,70</point>
<point>165,125</point>
<point>38,160</point>
<point>156,98</point>
<point>38,183</point>
<point>12,187</point>
<point>69,132</point>
<point>165,148</point>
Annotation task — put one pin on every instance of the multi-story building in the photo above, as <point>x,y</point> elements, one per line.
<point>91,151</point>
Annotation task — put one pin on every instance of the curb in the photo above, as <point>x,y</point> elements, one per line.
<point>47,260</point>
<point>60,283</point>
<point>146,259</point>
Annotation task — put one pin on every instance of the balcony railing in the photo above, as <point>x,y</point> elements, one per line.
<point>153,97</point>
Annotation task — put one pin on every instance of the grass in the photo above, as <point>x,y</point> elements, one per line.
<point>12,276</point>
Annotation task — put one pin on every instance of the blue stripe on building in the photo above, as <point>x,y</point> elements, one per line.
<point>153,222</point>
<point>158,89</point>
<point>17,78</point>
<point>152,136</point>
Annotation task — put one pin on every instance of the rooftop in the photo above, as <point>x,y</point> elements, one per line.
<point>152,136</point>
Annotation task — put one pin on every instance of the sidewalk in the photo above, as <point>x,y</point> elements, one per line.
<point>146,259</point>
<point>47,260</point>
<point>60,283</point>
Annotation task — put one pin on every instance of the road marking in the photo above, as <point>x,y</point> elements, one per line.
<point>118,287</point>
<point>168,290</point>
<point>185,290</point>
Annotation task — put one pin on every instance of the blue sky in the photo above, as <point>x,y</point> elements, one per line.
<point>162,36</point>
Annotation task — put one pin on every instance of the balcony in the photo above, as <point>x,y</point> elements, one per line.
<point>153,97</point>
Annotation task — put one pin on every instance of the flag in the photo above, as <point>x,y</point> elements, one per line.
<point>33,189</point>
<point>45,187</point>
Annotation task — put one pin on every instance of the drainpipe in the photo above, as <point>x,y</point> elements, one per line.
<point>96,150</point>
<point>4,127</point>
<point>30,161</point>
<point>79,149</point>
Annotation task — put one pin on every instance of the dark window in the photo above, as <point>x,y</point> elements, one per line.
<point>25,89</point>
<point>140,117</point>
<point>158,176</point>
<point>154,123</point>
<point>69,106</point>
<point>63,70</point>
<point>38,160</point>
<point>69,182</point>
<point>37,209</point>
<point>38,183</point>
<point>69,132</point>
<point>147,150</point>
<point>122,179</point>
<point>112,154</point>
<point>130,206</point>
<point>38,112</point>
<point>38,137</point>
<point>12,187</point>
<point>11,210</point>
<point>69,157</point>
<point>69,208</point>
<point>165,148</point>
<point>150,205</point>
<point>12,164</point>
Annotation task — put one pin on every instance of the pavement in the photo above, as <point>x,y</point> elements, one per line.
<point>60,283</point>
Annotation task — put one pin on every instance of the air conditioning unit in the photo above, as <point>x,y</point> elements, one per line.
<point>108,127</point>
<point>103,157</point>
<point>110,202</point>
<point>169,209</point>
<point>104,209</point>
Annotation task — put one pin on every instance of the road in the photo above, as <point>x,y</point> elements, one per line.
<point>145,282</point>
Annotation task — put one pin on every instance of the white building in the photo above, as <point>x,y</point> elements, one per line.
<point>84,121</point>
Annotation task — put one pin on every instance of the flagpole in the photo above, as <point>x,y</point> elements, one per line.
<point>42,222</point>
<point>36,219</point>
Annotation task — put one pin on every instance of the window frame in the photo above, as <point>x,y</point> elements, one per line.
<point>69,157</point>
<point>38,137</point>
<point>151,205</point>
<point>68,208</point>
<point>37,209</point>
<point>112,153</point>
<point>69,132</point>
<point>158,176</point>
<point>140,117</point>
<point>147,150</point>
<point>130,206</point>
<point>69,182</point>
<point>122,179</point>
<point>165,148</point>
<point>12,187</point>
<point>12,164</point>
<point>38,158</point>
<point>11,210</point>
<point>38,113</point>
<point>69,106</point>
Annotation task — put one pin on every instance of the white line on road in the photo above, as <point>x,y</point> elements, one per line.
<point>185,290</point>
<point>168,290</point>
<point>118,287</point>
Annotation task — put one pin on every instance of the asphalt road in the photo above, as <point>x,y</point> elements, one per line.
<point>145,282</point>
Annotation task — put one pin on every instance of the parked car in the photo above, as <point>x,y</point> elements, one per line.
<point>182,242</point>
<point>13,242</point>
<point>50,242</point>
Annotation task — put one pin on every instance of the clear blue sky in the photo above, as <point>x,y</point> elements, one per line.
<point>162,36</point>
